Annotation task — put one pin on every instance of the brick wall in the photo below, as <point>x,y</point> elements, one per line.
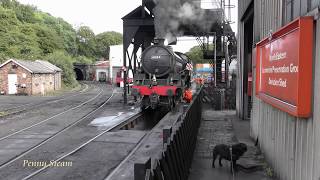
<point>32,81</point>
<point>23,77</point>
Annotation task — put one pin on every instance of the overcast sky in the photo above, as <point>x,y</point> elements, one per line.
<point>99,15</point>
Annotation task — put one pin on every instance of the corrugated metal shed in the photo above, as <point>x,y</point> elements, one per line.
<point>291,145</point>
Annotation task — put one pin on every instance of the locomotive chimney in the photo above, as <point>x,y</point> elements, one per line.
<point>159,41</point>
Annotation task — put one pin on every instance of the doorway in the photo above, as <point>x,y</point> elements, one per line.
<point>12,83</point>
<point>247,20</point>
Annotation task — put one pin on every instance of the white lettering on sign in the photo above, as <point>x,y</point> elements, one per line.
<point>278,82</point>
<point>293,68</point>
<point>281,69</point>
<point>155,57</point>
<point>278,56</point>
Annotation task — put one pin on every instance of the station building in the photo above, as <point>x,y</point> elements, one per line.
<point>29,77</point>
<point>279,50</point>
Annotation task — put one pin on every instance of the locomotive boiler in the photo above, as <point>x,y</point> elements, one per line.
<point>162,78</point>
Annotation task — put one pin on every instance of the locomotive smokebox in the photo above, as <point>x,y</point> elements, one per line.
<point>160,60</point>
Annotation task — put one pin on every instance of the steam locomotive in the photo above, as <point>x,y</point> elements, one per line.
<point>163,77</point>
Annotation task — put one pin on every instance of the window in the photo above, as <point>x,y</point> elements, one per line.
<point>14,66</point>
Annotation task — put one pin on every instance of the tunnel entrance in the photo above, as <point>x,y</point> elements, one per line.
<point>79,74</point>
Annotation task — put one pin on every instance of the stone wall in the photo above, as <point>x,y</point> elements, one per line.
<point>57,81</point>
<point>42,83</point>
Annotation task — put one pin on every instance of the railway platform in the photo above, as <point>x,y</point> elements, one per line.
<point>223,127</point>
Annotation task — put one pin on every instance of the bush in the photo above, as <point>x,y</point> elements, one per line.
<point>64,62</point>
<point>84,60</point>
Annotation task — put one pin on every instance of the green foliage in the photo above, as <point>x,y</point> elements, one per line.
<point>268,170</point>
<point>196,55</point>
<point>48,39</point>
<point>29,34</point>
<point>86,42</point>
<point>65,62</point>
<point>105,40</point>
<point>84,60</point>
<point>8,20</point>
<point>62,29</point>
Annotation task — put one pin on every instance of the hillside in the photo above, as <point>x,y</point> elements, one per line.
<point>28,33</point>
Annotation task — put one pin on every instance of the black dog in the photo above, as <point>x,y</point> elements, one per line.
<point>223,151</point>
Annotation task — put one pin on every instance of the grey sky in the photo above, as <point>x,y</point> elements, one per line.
<point>99,15</point>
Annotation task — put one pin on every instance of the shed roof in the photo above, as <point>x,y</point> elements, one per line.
<point>102,63</point>
<point>49,65</point>
<point>31,66</point>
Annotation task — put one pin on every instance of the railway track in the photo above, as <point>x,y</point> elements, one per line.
<point>109,176</point>
<point>32,105</point>
<point>76,149</point>
<point>43,141</point>
<point>51,117</point>
<point>53,136</point>
<point>85,154</point>
<point>68,142</point>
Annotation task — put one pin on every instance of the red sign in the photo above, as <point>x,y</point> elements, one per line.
<point>284,68</point>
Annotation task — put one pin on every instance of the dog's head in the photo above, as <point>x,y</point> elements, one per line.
<point>242,147</point>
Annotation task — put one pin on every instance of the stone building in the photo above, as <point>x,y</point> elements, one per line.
<point>29,77</point>
<point>57,73</point>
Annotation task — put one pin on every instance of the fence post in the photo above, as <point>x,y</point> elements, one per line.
<point>141,167</point>
<point>166,134</point>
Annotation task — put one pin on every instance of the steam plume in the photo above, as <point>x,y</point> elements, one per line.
<point>172,14</point>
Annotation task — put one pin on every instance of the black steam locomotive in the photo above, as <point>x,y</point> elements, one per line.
<point>163,78</point>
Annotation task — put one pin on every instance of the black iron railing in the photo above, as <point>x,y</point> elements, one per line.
<point>179,143</point>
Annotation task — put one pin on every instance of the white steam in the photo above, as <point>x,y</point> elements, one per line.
<point>170,15</point>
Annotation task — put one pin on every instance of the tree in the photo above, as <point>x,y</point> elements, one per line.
<point>84,60</point>
<point>48,39</point>
<point>8,20</point>
<point>28,33</point>
<point>63,30</point>
<point>86,42</point>
<point>65,62</point>
<point>105,40</point>
<point>196,55</point>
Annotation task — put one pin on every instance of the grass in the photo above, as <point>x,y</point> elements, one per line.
<point>2,113</point>
<point>64,89</point>
<point>269,171</point>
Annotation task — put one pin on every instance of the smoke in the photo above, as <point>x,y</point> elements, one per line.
<point>170,15</point>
